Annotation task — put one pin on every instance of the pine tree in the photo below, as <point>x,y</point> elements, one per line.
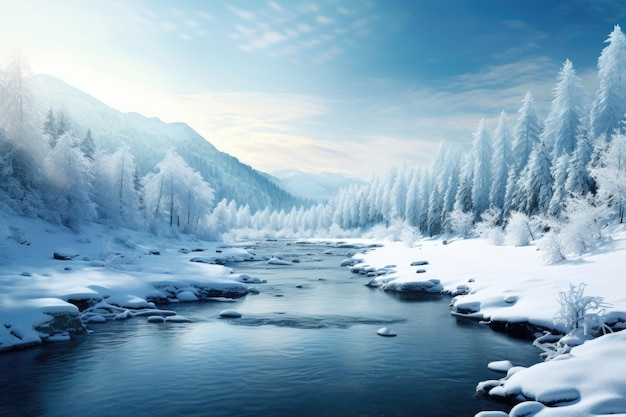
<point>610,176</point>
<point>609,105</point>
<point>559,176</point>
<point>527,131</point>
<point>535,182</point>
<point>49,128</point>
<point>566,113</point>
<point>501,161</point>
<point>579,181</point>
<point>88,145</point>
<point>482,154</point>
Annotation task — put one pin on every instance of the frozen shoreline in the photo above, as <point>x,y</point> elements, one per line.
<point>512,286</point>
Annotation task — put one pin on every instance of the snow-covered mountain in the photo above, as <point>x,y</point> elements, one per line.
<point>317,187</point>
<point>150,138</point>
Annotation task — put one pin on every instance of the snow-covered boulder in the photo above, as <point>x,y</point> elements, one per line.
<point>386,332</point>
<point>186,296</point>
<point>277,261</point>
<point>230,314</point>
<point>431,286</point>
<point>65,254</point>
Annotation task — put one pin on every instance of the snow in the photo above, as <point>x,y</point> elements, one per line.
<point>37,291</point>
<point>384,331</point>
<point>230,314</point>
<point>514,285</point>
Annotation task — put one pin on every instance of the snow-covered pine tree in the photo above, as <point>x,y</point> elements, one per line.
<point>559,176</point>
<point>579,181</point>
<point>88,145</point>
<point>535,182</point>
<point>610,176</point>
<point>609,105</point>
<point>566,113</point>
<point>482,154</point>
<point>501,161</point>
<point>527,131</point>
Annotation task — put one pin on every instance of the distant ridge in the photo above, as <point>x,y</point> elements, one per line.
<point>318,187</point>
<point>150,138</point>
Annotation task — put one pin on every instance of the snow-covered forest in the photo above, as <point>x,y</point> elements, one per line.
<point>565,175</point>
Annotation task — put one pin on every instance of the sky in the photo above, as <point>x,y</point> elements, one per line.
<point>323,85</point>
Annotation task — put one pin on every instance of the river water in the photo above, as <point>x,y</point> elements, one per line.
<point>306,345</point>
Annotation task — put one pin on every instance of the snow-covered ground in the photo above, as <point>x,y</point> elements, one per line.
<point>513,284</point>
<point>108,273</point>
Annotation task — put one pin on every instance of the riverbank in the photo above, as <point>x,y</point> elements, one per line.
<point>505,284</point>
<point>54,282</point>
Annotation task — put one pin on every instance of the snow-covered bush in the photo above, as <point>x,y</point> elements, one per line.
<point>397,231</point>
<point>519,229</point>
<point>582,316</point>
<point>461,222</point>
<point>490,227</point>
<point>554,247</point>
<point>579,310</point>
<point>584,220</point>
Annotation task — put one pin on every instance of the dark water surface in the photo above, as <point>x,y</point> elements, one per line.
<point>305,346</point>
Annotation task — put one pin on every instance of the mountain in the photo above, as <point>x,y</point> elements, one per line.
<point>317,187</point>
<point>150,138</point>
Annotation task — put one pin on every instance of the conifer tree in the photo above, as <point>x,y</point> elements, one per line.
<point>566,113</point>
<point>609,105</point>
<point>482,155</point>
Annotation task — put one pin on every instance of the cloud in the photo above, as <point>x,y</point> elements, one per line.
<point>324,20</point>
<point>243,14</point>
<point>301,30</point>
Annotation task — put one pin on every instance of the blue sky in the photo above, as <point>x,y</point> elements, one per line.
<point>321,85</point>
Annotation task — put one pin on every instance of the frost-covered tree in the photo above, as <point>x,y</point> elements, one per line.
<point>70,177</point>
<point>461,222</point>
<point>566,113</point>
<point>579,181</point>
<point>559,176</point>
<point>610,175</point>
<point>526,134</point>
<point>398,195</point>
<point>482,154</point>
<point>177,195</point>
<point>519,229</point>
<point>412,199</point>
<point>501,161</point>
<point>88,145</point>
<point>122,171</point>
<point>535,182</point>
<point>24,148</point>
<point>609,105</point>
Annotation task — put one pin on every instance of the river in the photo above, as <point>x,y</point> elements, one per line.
<point>306,345</point>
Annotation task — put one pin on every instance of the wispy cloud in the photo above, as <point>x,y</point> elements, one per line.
<point>303,27</point>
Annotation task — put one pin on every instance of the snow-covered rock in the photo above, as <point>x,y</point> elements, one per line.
<point>277,261</point>
<point>230,314</point>
<point>386,332</point>
<point>65,254</point>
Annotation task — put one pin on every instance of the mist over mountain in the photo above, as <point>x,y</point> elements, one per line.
<point>319,187</point>
<point>149,139</point>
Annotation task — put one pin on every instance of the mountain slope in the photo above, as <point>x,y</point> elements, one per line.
<point>318,187</point>
<point>150,138</point>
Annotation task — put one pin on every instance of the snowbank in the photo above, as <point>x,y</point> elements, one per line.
<point>49,291</point>
<point>513,288</point>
